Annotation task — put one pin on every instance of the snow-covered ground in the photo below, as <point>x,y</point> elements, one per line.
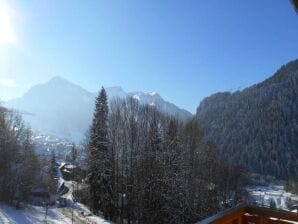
<point>35,214</point>
<point>31,214</point>
<point>263,195</point>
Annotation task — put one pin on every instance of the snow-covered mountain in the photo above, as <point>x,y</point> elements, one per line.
<point>61,108</point>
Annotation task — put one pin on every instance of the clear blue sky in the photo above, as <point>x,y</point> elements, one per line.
<point>184,50</point>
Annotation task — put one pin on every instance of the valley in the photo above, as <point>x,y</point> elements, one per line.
<point>148,112</point>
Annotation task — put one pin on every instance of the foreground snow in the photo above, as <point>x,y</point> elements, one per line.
<point>31,214</point>
<point>35,214</point>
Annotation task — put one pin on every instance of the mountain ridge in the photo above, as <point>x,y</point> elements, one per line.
<point>257,127</point>
<point>64,109</point>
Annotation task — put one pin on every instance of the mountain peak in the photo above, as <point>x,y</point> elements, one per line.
<point>66,109</point>
<point>62,84</point>
<point>152,93</point>
<point>58,79</point>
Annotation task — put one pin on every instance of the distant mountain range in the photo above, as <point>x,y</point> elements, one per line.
<point>257,127</point>
<point>61,108</point>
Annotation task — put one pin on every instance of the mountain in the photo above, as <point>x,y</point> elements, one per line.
<point>61,108</point>
<point>154,99</point>
<point>257,127</point>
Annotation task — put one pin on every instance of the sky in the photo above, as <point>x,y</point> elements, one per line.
<point>184,50</point>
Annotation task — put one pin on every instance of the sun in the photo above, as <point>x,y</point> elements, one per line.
<point>7,33</point>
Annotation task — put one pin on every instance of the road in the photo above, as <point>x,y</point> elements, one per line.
<point>68,185</point>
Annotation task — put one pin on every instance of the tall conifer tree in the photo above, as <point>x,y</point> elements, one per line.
<point>100,172</point>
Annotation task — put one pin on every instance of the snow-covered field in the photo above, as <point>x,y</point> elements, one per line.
<point>35,214</point>
<point>30,214</point>
<point>264,195</point>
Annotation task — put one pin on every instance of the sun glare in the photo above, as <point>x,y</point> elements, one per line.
<point>7,33</point>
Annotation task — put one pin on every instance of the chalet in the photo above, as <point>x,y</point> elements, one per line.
<point>40,195</point>
<point>252,215</point>
<point>71,172</point>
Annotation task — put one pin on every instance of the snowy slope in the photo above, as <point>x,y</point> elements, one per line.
<point>61,108</point>
<point>263,195</point>
<point>154,99</point>
<point>31,214</point>
<point>35,215</point>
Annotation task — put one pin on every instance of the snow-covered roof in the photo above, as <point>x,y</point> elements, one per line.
<point>62,164</point>
<point>70,166</point>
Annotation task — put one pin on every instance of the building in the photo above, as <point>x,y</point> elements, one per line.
<point>70,172</point>
<point>244,214</point>
<point>40,196</point>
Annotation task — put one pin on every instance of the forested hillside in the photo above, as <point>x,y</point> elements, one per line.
<point>19,166</point>
<point>257,127</point>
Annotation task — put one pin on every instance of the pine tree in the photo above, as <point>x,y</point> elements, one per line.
<point>53,174</point>
<point>74,154</point>
<point>53,164</point>
<point>100,172</point>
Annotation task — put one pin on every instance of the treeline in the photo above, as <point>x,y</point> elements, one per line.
<point>147,167</point>
<point>257,127</point>
<point>19,166</point>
